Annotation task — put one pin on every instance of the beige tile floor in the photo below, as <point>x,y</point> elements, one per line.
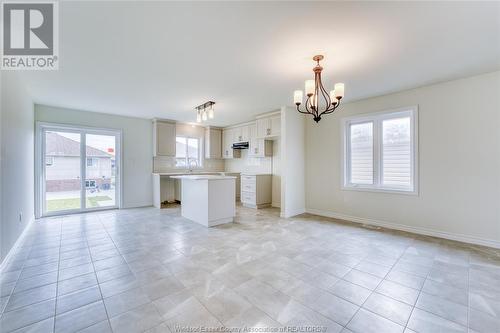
<point>144,269</point>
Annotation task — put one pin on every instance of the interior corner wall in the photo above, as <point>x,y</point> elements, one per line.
<point>137,147</point>
<point>459,163</point>
<point>17,160</point>
<point>293,162</point>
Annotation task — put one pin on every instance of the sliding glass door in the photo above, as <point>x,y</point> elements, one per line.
<point>100,171</point>
<point>78,169</point>
<point>62,163</point>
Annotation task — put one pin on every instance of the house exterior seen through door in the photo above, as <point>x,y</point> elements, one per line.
<point>77,169</point>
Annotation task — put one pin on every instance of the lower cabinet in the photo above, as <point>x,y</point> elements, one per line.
<point>256,190</point>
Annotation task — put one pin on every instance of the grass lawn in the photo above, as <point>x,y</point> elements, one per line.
<point>74,203</point>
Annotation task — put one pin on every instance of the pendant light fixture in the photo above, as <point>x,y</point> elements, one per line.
<point>205,111</point>
<point>316,94</point>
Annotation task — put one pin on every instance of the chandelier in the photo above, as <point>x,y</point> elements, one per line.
<point>315,92</point>
<point>204,111</point>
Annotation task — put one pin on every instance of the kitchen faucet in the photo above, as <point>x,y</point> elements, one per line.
<point>191,164</point>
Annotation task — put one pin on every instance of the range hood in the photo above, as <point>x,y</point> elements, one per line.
<point>240,145</point>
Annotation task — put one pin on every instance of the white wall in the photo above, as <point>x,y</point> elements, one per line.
<point>459,157</point>
<point>137,148</point>
<point>276,197</point>
<point>293,162</point>
<point>17,160</point>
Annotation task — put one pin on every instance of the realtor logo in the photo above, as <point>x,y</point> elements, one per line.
<point>30,35</point>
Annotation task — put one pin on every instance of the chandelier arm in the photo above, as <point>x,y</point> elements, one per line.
<point>326,97</point>
<point>298,109</point>
<point>308,101</point>
<point>328,111</point>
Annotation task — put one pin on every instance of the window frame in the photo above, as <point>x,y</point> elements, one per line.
<point>377,118</point>
<point>200,153</point>
<point>94,162</point>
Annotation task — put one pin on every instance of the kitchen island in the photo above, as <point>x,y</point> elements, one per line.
<point>208,199</point>
<point>166,189</point>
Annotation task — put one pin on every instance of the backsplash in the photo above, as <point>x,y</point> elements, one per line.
<point>249,164</point>
<point>167,164</point>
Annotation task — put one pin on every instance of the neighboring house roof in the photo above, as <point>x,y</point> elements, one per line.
<point>58,145</point>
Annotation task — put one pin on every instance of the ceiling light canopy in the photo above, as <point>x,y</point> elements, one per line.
<point>205,111</point>
<point>315,92</point>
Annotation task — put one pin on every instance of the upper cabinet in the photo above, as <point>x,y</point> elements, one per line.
<point>241,133</point>
<point>269,126</point>
<point>258,147</point>
<point>228,138</point>
<point>213,143</point>
<point>257,134</point>
<point>163,138</point>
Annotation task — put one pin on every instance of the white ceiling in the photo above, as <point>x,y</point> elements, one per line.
<point>160,59</point>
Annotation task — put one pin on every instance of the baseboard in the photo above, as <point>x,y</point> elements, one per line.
<point>402,227</point>
<point>18,242</point>
<point>293,212</point>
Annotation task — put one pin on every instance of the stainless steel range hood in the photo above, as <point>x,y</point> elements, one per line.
<point>240,145</point>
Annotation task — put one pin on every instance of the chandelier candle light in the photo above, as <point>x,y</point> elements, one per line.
<point>205,111</point>
<point>315,92</point>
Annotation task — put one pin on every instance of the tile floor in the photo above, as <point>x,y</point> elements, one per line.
<point>149,270</point>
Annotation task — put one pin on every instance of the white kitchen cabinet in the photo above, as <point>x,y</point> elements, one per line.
<point>258,147</point>
<point>163,138</point>
<point>275,125</point>
<point>213,143</point>
<point>227,143</point>
<point>256,190</point>
<point>240,134</point>
<point>269,126</point>
<point>263,127</point>
<point>245,133</point>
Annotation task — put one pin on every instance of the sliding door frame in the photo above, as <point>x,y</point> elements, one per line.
<point>40,201</point>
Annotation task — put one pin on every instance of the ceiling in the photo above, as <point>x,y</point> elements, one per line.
<point>160,59</point>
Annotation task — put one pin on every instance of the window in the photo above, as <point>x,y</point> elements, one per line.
<point>380,151</point>
<point>187,152</point>
<point>90,183</point>
<point>92,162</point>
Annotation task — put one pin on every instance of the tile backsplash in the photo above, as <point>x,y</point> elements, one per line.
<point>167,164</point>
<point>249,164</point>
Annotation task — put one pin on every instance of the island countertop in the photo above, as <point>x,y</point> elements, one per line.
<point>202,177</point>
